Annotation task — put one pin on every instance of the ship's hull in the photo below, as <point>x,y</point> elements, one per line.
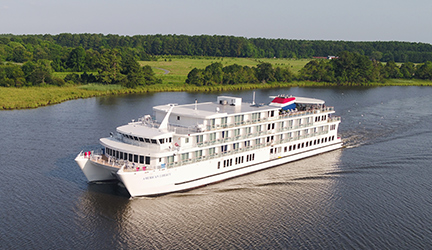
<point>193,175</point>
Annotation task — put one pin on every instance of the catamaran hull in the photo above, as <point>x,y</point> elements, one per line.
<point>95,172</point>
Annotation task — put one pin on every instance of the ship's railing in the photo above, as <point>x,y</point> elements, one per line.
<point>128,166</point>
<point>133,167</point>
<point>334,119</point>
<point>194,129</point>
<point>243,149</point>
<point>282,115</point>
<point>253,135</point>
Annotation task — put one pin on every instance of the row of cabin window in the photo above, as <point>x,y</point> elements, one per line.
<point>147,140</point>
<point>256,116</point>
<point>319,118</point>
<point>238,160</point>
<point>128,157</point>
<point>303,144</point>
<point>248,130</point>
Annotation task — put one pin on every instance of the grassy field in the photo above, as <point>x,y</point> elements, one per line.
<point>179,67</point>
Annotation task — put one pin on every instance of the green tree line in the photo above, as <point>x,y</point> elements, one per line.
<point>359,69</point>
<point>21,48</point>
<point>347,68</point>
<point>109,66</point>
<point>216,74</point>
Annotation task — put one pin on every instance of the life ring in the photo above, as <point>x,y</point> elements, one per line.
<point>176,144</point>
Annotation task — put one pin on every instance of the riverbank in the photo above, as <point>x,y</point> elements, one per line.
<point>34,97</point>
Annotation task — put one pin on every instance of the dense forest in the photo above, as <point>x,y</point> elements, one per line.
<point>144,46</point>
<point>27,60</point>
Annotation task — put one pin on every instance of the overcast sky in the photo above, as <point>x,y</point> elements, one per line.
<point>348,20</point>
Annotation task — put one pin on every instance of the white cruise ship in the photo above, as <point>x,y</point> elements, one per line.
<point>192,145</point>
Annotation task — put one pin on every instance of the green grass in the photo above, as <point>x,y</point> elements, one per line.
<point>101,87</point>
<point>33,97</point>
<point>179,67</point>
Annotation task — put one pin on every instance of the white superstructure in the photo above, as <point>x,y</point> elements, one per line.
<point>191,145</point>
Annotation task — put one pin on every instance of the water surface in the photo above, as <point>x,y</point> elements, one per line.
<point>373,194</point>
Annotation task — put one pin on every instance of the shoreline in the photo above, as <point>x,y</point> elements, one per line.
<point>35,97</point>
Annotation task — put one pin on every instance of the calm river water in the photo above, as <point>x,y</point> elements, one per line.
<point>376,193</point>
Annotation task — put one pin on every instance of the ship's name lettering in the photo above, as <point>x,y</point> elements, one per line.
<point>156,176</point>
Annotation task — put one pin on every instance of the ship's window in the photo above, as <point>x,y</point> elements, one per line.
<point>242,159</point>
<point>147,140</point>
<point>211,151</point>
<point>218,164</point>
<point>271,151</point>
<point>125,156</point>
<point>136,138</point>
<point>247,158</point>
<point>258,128</point>
<point>290,148</point>
<point>178,118</point>
<point>170,139</point>
<point>224,134</point>
<point>141,158</point>
<point>307,144</point>
<point>253,157</point>
<point>303,145</point>
<point>154,141</point>
<point>160,159</point>
<point>136,158</point>
<point>141,139</point>
<point>294,147</point>
<point>170,159</point>
<point>130,157</point>
<point>147,160</point>
<point>161,141</point>
<point>187,140</point>
<point>285,149</point>
<point>224,163</point>
<point>238,118</point>
<point>230,162</point>
<point>117,154</point>
<point>224,120</point>
<point>121,155</point>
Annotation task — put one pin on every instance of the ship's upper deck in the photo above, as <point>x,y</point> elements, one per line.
<point>226,106</point>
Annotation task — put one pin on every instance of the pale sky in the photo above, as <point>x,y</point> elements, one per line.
<point>348,20</point>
